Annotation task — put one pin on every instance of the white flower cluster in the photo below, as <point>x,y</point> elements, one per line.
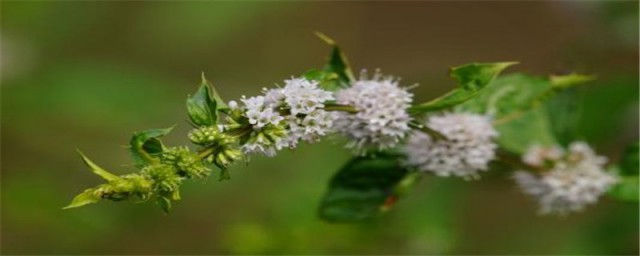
<point>574,179</point>
<point>382,118</point>
<point>261,113</point>
<point>284,116</point>
<point>468,148</point>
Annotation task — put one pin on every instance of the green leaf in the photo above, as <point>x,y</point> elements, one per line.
<point>337,64</point>
<point>220,103</point>
<point>570,80</point>
<point>564,113</point>
<point>511,95</point>
<point>86,197</point>
<point>472,78</point>
<point>165,204</point>
<point>202,107</point>
<point>514,101</point>
<point>326,80</point>
<point>364,188</point>
<point>630,162</point>
<point>97,169</point>
<point>532,127</point>
<point>626,190</point>
<point>145,144</point>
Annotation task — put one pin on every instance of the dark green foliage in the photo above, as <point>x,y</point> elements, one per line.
<point>629,163</point>
<point>363,188</point>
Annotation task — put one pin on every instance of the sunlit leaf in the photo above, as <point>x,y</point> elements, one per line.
<point>86,197</point>
<point>626,190</point>
<point>472,78</point>
<point>97,169</point>
<point>532,127</point>
<point>569,80</point>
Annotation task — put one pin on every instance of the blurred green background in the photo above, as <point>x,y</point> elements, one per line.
<point>87,74</point>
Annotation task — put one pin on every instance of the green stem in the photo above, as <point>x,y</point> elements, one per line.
<point>339,107</point>
<point>431,132</point>
<point>205,152</point>
<point>515,161</point>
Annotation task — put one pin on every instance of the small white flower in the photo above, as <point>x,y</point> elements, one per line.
<point>311,127</point>
<point>308,120</point>
<point>381,120</point>
<point>468,148</point>
<point>259,114</point>
<point>233,105</point>
<point>303,96</point>
<point>577,179</point>
<point>266,141</point>
<point>260,148</point>
<point>537,155</point>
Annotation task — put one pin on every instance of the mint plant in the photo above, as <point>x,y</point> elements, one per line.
<point>489,121</point>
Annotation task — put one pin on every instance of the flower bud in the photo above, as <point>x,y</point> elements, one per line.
<point>186,162</point>
<point>165,179</point>
<point>227,156</point>
<point>204,135</point>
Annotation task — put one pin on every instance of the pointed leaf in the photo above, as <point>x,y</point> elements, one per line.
<point>86,197</point>
<point>337,64</point>
<point>570,80</point>
<point>220,103</point>
<point>472,78</point>
<point>97,169</point>
<point>202,107</point>
<point>364,188</point>
<point>145,145</point>
<point>165,204</point>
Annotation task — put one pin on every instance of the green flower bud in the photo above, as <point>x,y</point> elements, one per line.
<point>226,156</point>
<point>204,135</point>
<point>165,179</point>
<point>275,132</point>
<point>186,162</point>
